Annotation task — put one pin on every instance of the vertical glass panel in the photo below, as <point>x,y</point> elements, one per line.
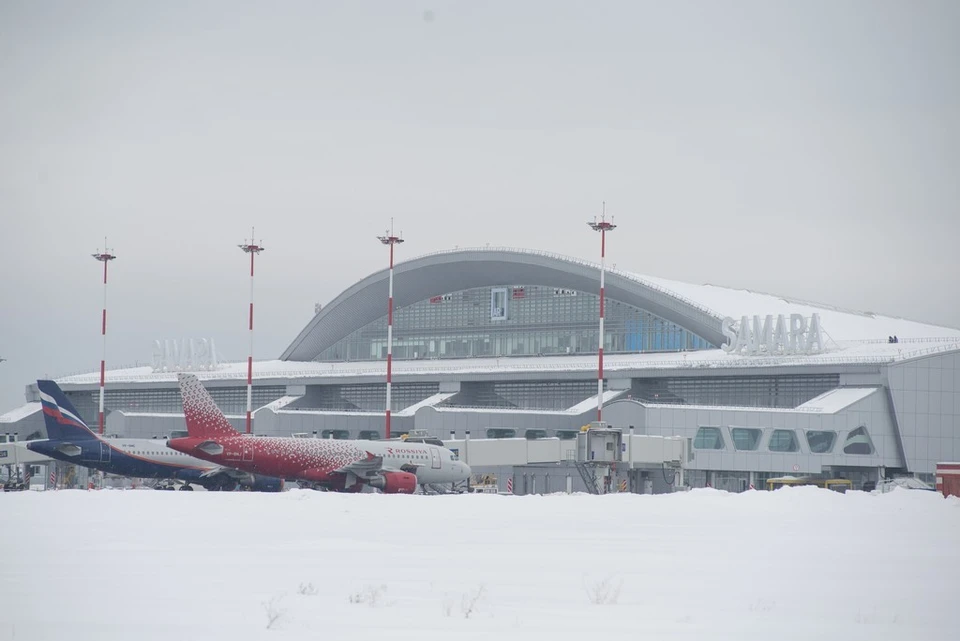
<point>783,441</point>
<point>821,442</point>
<point>745,438</point>
<point>708,438</point>
<point>858,442</point>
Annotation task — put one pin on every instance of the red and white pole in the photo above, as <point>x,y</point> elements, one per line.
<point>253,248</point>
<point>602,226</point>
<point>104,257</point>
<point>389,239</point>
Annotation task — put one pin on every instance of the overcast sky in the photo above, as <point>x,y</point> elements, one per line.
<point>804,148</point>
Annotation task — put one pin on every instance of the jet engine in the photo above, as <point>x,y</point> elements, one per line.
<point>266,484</point>
<point>395,482</point>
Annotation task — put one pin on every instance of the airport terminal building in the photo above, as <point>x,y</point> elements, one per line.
<point>503,343</point>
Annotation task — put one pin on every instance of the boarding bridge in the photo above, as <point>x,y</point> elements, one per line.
<point>16,453</point>
<point>598,453</point>
<point>14,460</point>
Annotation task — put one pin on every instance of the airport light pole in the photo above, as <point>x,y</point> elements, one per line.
<point>391,239</point>
<point>253,248</point>
<point>104,257</point>
<point>602,226</point>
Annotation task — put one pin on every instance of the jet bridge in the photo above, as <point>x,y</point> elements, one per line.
<point>597,452</point>
<point>14,460</point>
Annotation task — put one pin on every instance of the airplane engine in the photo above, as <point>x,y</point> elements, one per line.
<point>266,484</point>
<point>395,482</point>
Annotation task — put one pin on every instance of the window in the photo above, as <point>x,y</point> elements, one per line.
<point>535,434</point>
<point>821,442</point>
<point>783,441</point>
<point>745,438</point>
<point>523,319</point>
<point>498,304</point>
<point>708,438</point>
<point>858,442</point>
<point>501,433</point>
<point>369,435</point>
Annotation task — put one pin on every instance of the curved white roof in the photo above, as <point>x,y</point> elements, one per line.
<point>699,309</point>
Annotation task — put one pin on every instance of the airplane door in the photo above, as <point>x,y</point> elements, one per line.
<point>434,458</point>
<point>104,453</point>
<point>247,452</point>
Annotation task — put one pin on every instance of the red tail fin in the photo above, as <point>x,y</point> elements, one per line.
<point>204,418</point>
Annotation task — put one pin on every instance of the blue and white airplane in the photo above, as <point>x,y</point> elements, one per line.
<point>72,441</point>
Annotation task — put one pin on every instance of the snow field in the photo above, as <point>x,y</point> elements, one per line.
<point>798,563</point>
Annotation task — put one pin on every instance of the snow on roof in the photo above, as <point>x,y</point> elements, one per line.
<point>410,410</point>
<point>429,401</point>
<point>836,399</point>
<point>280,403</point>
<point>839,324</point>
<point>864,352</point>
<point>582,407</point>
<point>20,413</point>
<point>827,403</point>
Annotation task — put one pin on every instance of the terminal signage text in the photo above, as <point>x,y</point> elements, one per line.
<point>773,336</point>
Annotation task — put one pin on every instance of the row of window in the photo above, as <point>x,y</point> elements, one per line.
<point>232,400</point>
<point>747,439</point>
<point>785,391</point>
<point>512,321</point>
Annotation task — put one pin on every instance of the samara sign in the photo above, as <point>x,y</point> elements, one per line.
<point>774,335</point>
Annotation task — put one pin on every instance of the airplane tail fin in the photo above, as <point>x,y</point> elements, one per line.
<point>204,418</point>
<point>60,417</point>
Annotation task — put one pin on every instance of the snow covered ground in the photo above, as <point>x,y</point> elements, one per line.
<point>798,563</point>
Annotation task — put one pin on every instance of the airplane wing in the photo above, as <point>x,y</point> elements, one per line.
<point>229,471</point>
<point>363,469</point>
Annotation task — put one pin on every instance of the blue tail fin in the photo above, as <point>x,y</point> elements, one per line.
<point>61,418</point>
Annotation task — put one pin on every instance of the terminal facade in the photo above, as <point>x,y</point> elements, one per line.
<point>502,343</point>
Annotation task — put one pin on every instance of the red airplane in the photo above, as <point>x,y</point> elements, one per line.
<point>340,465</point>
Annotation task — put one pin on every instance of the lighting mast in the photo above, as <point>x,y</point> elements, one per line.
<point>602,226</point>
<point>104,257</point>
<point>391,239</point>
<point>253,248</point>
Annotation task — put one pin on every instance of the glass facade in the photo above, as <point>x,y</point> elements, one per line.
<point>745,438</point>
<point>787,391</point>
<point>516,320</point>
<point>784,441</point>
<point>708,438</point>
<point>821,442</point>
<point>540,395</point>
<point>858,442</point>
<point>232,400</point>
<point>363,396</point>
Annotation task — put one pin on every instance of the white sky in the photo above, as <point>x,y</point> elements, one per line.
<point>809,149</point>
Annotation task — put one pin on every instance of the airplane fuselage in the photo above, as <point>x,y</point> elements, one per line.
<point>317,460</point>
<point>137,458</point>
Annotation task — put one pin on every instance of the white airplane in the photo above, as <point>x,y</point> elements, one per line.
<point>339,465</point>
